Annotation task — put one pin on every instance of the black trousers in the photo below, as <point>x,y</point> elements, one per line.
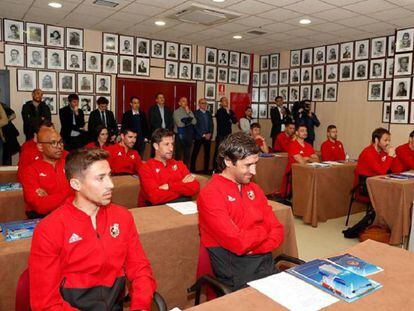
<point>183,150</point>
<point>196,149</point>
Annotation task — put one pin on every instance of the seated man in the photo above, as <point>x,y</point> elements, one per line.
<point>123,159</point>
<point>405,156</point>
<point>332,149</point>
<point>284,138</point>
<point>259,140</point>
<point>164,179</point>
<point>83,252</point>
<point>44,183</point>
<point>237,225</point>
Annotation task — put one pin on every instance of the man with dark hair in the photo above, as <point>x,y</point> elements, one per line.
<point>123,159</point>
<point>247,120</point>
<point>332,149</point>
<point>305,116</point>
<point>83,253</point>
<point>258,139</point>
<point>160,116</point>
<point>276,118</point>
<point>102,116</point>
<point>163,179</point>
<point>405,156</point>
<point>237,226</point>
<point>284,139</point>
<point>72,123</point>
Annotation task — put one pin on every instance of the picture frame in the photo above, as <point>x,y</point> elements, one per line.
<point>210,91</point>
<point>412,113</point>
<point>67,82</point>
<point>143,47</point>
<point>211,73</point>
<point>389,71</point>
<point>171,69</point>
<point>263,111</point>
<point>295,76</point>
<point>317,92</point>
<point>13,31</point>
<point>86,103</point>
<point>35,57</point>
<point>345,71</point>
<point>284,77</point>
<point>347,51</point>
<point>74,38</point>
<point>362,49</point>
<point>263,95</point>
<point>378,47</point>
<point>110,63</point>
<point>185,71</point>
<point>401,89</point>
<point>403,64</point>
<point>332,53</point>
<point>295,58</point>
<point>211,56</point>
<point>274,78</point>
<point>126,64</point>
<point>103,84</point>
<point>26,80</point>
<point>386,112</point>
<point>273,91</point>
<point>404,40</point>
<point>361,69</point>
<point>63,101</point>
<point>294,93</point>
<point>93,62</point>
<point>198,72</point>
<point>256,79</point>
<point>126,45</point>
<point>47,81</point>
<point>305,92</point>
<point>284,91</point>
<point>264,79</point>
<point>223,58</point>
<point>331,73</point>
<point>157,49</point>
<point>306,75</point>
<point>387,90</point>
<point>234,59</point>
<point>255,95</point>
<point>186,53</point>
<point>319,55</point>
<point>331,92</point>
<point>245,77</point>
<point>51,102</point>
<point>212,107</point>
<point>222,74</point>
<point>245,61</point>
<point>375,90</point>
<point>377,69</point>
<point>14,55</point>
<point>56,59</point>
<point>85,83</point>
<point>264,62</point>
<point>233,76</point>
<point>74,60</point>
<point>255,110</point>
<point>391,46</point>
<point>172,50</point>
<point>318,74</point>
<point>110,42</point>
<point>399,112</point>
<point>35,33</point>
<point>143,66</point>
<point>307,57</point>
<point>274,61</point>
<point>55,36</point>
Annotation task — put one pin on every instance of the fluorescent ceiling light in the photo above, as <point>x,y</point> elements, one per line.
<point>160,23</point>
<point>219,1</point>
<point>237,37</point>
<point>55,5</point>
<point>305,21</point>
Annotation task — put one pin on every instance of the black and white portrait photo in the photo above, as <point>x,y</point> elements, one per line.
<point>262,111</point>
<point>347,51</point>
<point>399,112</point>
<point>74,38</point>
<point>345,71</point>
<point>389,71</point>
<point>361,70</point>
<point>273,78</point>
<point>361,49</point>
<point>332,73</point>
<point>211,72</point>
<point>307,57</point>
<point>86,103</point>
<point>233,76</point>
<point>412,113</point>
<point>212,107</point>
<point>401,89</point>
<point>332,53</point>
<point>222,74</point>
<point>211,56</point>
<point>391,46</point>
<point>14,55</point>
<point>103,84</point>
<point>378,47</point>
<point>318,74</point>
<point>295,76</point>
<point>55,59</point>
<point>255,110</point>
<point>283,91</point>
<point>110,42</point>
<point>284,77</point>
<point>305,92</point>
<point>386,112</point>
<point>110,63</point>
<point>274,61</point>
<point>93,62</point>
<point>319,55</point>
<point>264,62</point>
<point>404,40</point>
<point>185,71</point>
<point>55,36</point>
<point>375,90</point>
<point>306,75</point>
<point>263,95</point>
<point>256,79</point>
<point>403,64</point>
<point>317,92</point>
<point>126,45</point>
<point>245,76</point>
<point>143,66</point>
<point>210,91</point>
<point>245,61</point>
<point>234,59</point>
<point>273,93</point>
<point>294,58</point>
<point>126,65</point>
<point>13,31</point>
<point>377,69</point>
<point>85,83</point>
<point>255,94</point>
<point>50,101</point>
<point>157,49</point>
<point>35,33</point>
<point>185,52</point>
<point>35,57</point>
<point>330,92</point>
<point>294,93</point>
<point>171,50</point>
<point>171,69</point>
<point>74,60</point>
<point>67,82</point>
<point>47,81</point>
<point>387,90</point>
<point>26,80</point>
<point>264,79</point>
<point>198,72</point>
<point>143,47</point>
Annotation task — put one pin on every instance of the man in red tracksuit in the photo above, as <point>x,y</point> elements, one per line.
<point>164,179</point>
<point>405,156</point>
<point>332,149</point>
<point>44,183</point>
<point>237,225</point>
<point>83,252</point>
<point>123,159</point>
<point>284,138</point>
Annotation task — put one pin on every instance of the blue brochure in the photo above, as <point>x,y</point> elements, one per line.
<point>10,186</point>
<point>355,264</point>
<point>16,230</point>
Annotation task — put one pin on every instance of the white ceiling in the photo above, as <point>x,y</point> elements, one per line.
<point>332,20</point>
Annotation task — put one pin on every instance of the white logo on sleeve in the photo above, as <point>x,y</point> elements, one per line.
<point>384,158</point>
<point>114,229</point>
<point>42,175</point>
<point>119,153</point>
<point>230,198</point>
<point>157,170</point>
<point>37,158</point>
<point>132,156</point>
<point>174,167</point>
<point>74,238</point>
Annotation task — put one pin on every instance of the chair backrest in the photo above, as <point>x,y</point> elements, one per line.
<point>23,292</point>
<point>204,268</point>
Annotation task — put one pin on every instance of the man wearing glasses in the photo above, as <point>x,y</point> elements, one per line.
<point>44,183</point>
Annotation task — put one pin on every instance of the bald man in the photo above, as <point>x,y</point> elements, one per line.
<point>45,186</point>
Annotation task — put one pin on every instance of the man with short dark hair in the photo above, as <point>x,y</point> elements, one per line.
<point>284,139</point>
<point>102,116</point>
<point>33,113</point>
<point>405,156</point>
<point>72,123</point>
<point>258,139</point>
<point>332,149</point>
<point>247,120</point>
<point>84,252</point>
<point>276,118</point>
<point>160,116</point>
<point>163,179</point>
<point>237,225</point>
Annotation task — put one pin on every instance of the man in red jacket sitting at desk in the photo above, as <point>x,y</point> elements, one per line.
<point>332,149</point>
<point>405,156</point>
<point>284,139</point>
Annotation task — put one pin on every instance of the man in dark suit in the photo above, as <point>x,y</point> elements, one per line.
<point>276,118</point>
<point>34,112</point>
<point>159,115</point>
<point>102,116</point>
<point>135,119</point>
<point>72,123</point>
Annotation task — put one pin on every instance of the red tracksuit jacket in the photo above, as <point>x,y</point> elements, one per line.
<point>282,142</point>
<point>73,266</point>
<point>154,174</point>
<point>404,160</point>
<point>122,162</point>
<point>372,163</point>
<point>240,221</point>
<point>28,154</point>
<point>332,151</point>
<point>41,174</point>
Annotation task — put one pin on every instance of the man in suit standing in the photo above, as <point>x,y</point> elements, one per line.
<point>72,123</point>
<point>277,119</point>
<point>102,116</point>
<point>160,116</point>
<point>135,119</point>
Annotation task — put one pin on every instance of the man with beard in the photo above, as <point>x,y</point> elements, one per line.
<point>332,149</point>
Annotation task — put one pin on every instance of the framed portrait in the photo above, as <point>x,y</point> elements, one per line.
<point>234,59</point>
<point>13,31</point>
<point>255,109</point>
<point>110,42</point>
<point>274,61</point>
<point>185,71</point>
<point>391,46</point>
<point>284,77</point>
<point>255,95</point>
<point>264,62</point>
<point>47,81</point>
<point>283,91</point>
<point>233,76</point>
<point>401,88</point>
<point>35,33</point>
<point>378,47</point>
<point>256,79</point>
<point>317,92</point>
<point>387,89</point>
<point>331,91</point>
<point>223,58</point>
<point>56,59</point>
<point>157,49</point>
<point>172,51</point>
<point>110,63</point>
<point>26,80</point>
<point>263,111</point>
<point>67,82</point>
<point>35,57</point>
<point>63,100</point>
<point>171,69</point>
<point>386,112</point>
<point>264,79</point>
<point>93,62</point>
<point>212,107</point>
<point>126,45</point>
<point>362,49</point>
<point>332,53</point>
<point>294,92</point>
<point>245,61</point>
<point>305,92</point>
<point>143,47</point>
<point>399,112</point>
<point>103,84</point>
<point>263,92</point>
<point>186,54</point>
<point>86,103</point>
<point>307,57</point>
<point>332,73</point>
<point>51,102</point>
<point>211,56</point>
<point>14,55</point>
<point>245,76</point>
<point>55,36</point>
<point>74,60</point>
<point>211,73</point>
<point>375,90</point>
<point>404,40</point>
<point>389,71</point>
<point>274,78</point>
<point>210,91</point>
<point>403,65</point>
<point>319,55</point>
<point>377,69</point>
<point>222,74</point>
<point>361,70</point>
<point>412,113</point>
<point>85,83</point>
<point>306,75</point>
<point>273,91</point>
<point>198,72</point>
<point>74,38</point>
<point>126,65</point>
<point>295,76</point>
<point>345,71</point>
<point>347,51</point>
<point>143,66</point>
<point>318,74</point>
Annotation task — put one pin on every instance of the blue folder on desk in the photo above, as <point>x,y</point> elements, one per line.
<point>16,230</point>
<point>10,186</point>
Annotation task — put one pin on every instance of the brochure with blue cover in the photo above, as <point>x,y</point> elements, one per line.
<point>16,230</point>
<point>355,264</point>
<point>10,186</point>
<point>266,155</point>
<point>334,279</point>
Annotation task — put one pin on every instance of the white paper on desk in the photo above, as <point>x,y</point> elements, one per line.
<point>332,163</point>
<point>8,168</point>
<point>185,208</point>
<point>176,309</point>
<point>318,164</point>
<point>293,293</point>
